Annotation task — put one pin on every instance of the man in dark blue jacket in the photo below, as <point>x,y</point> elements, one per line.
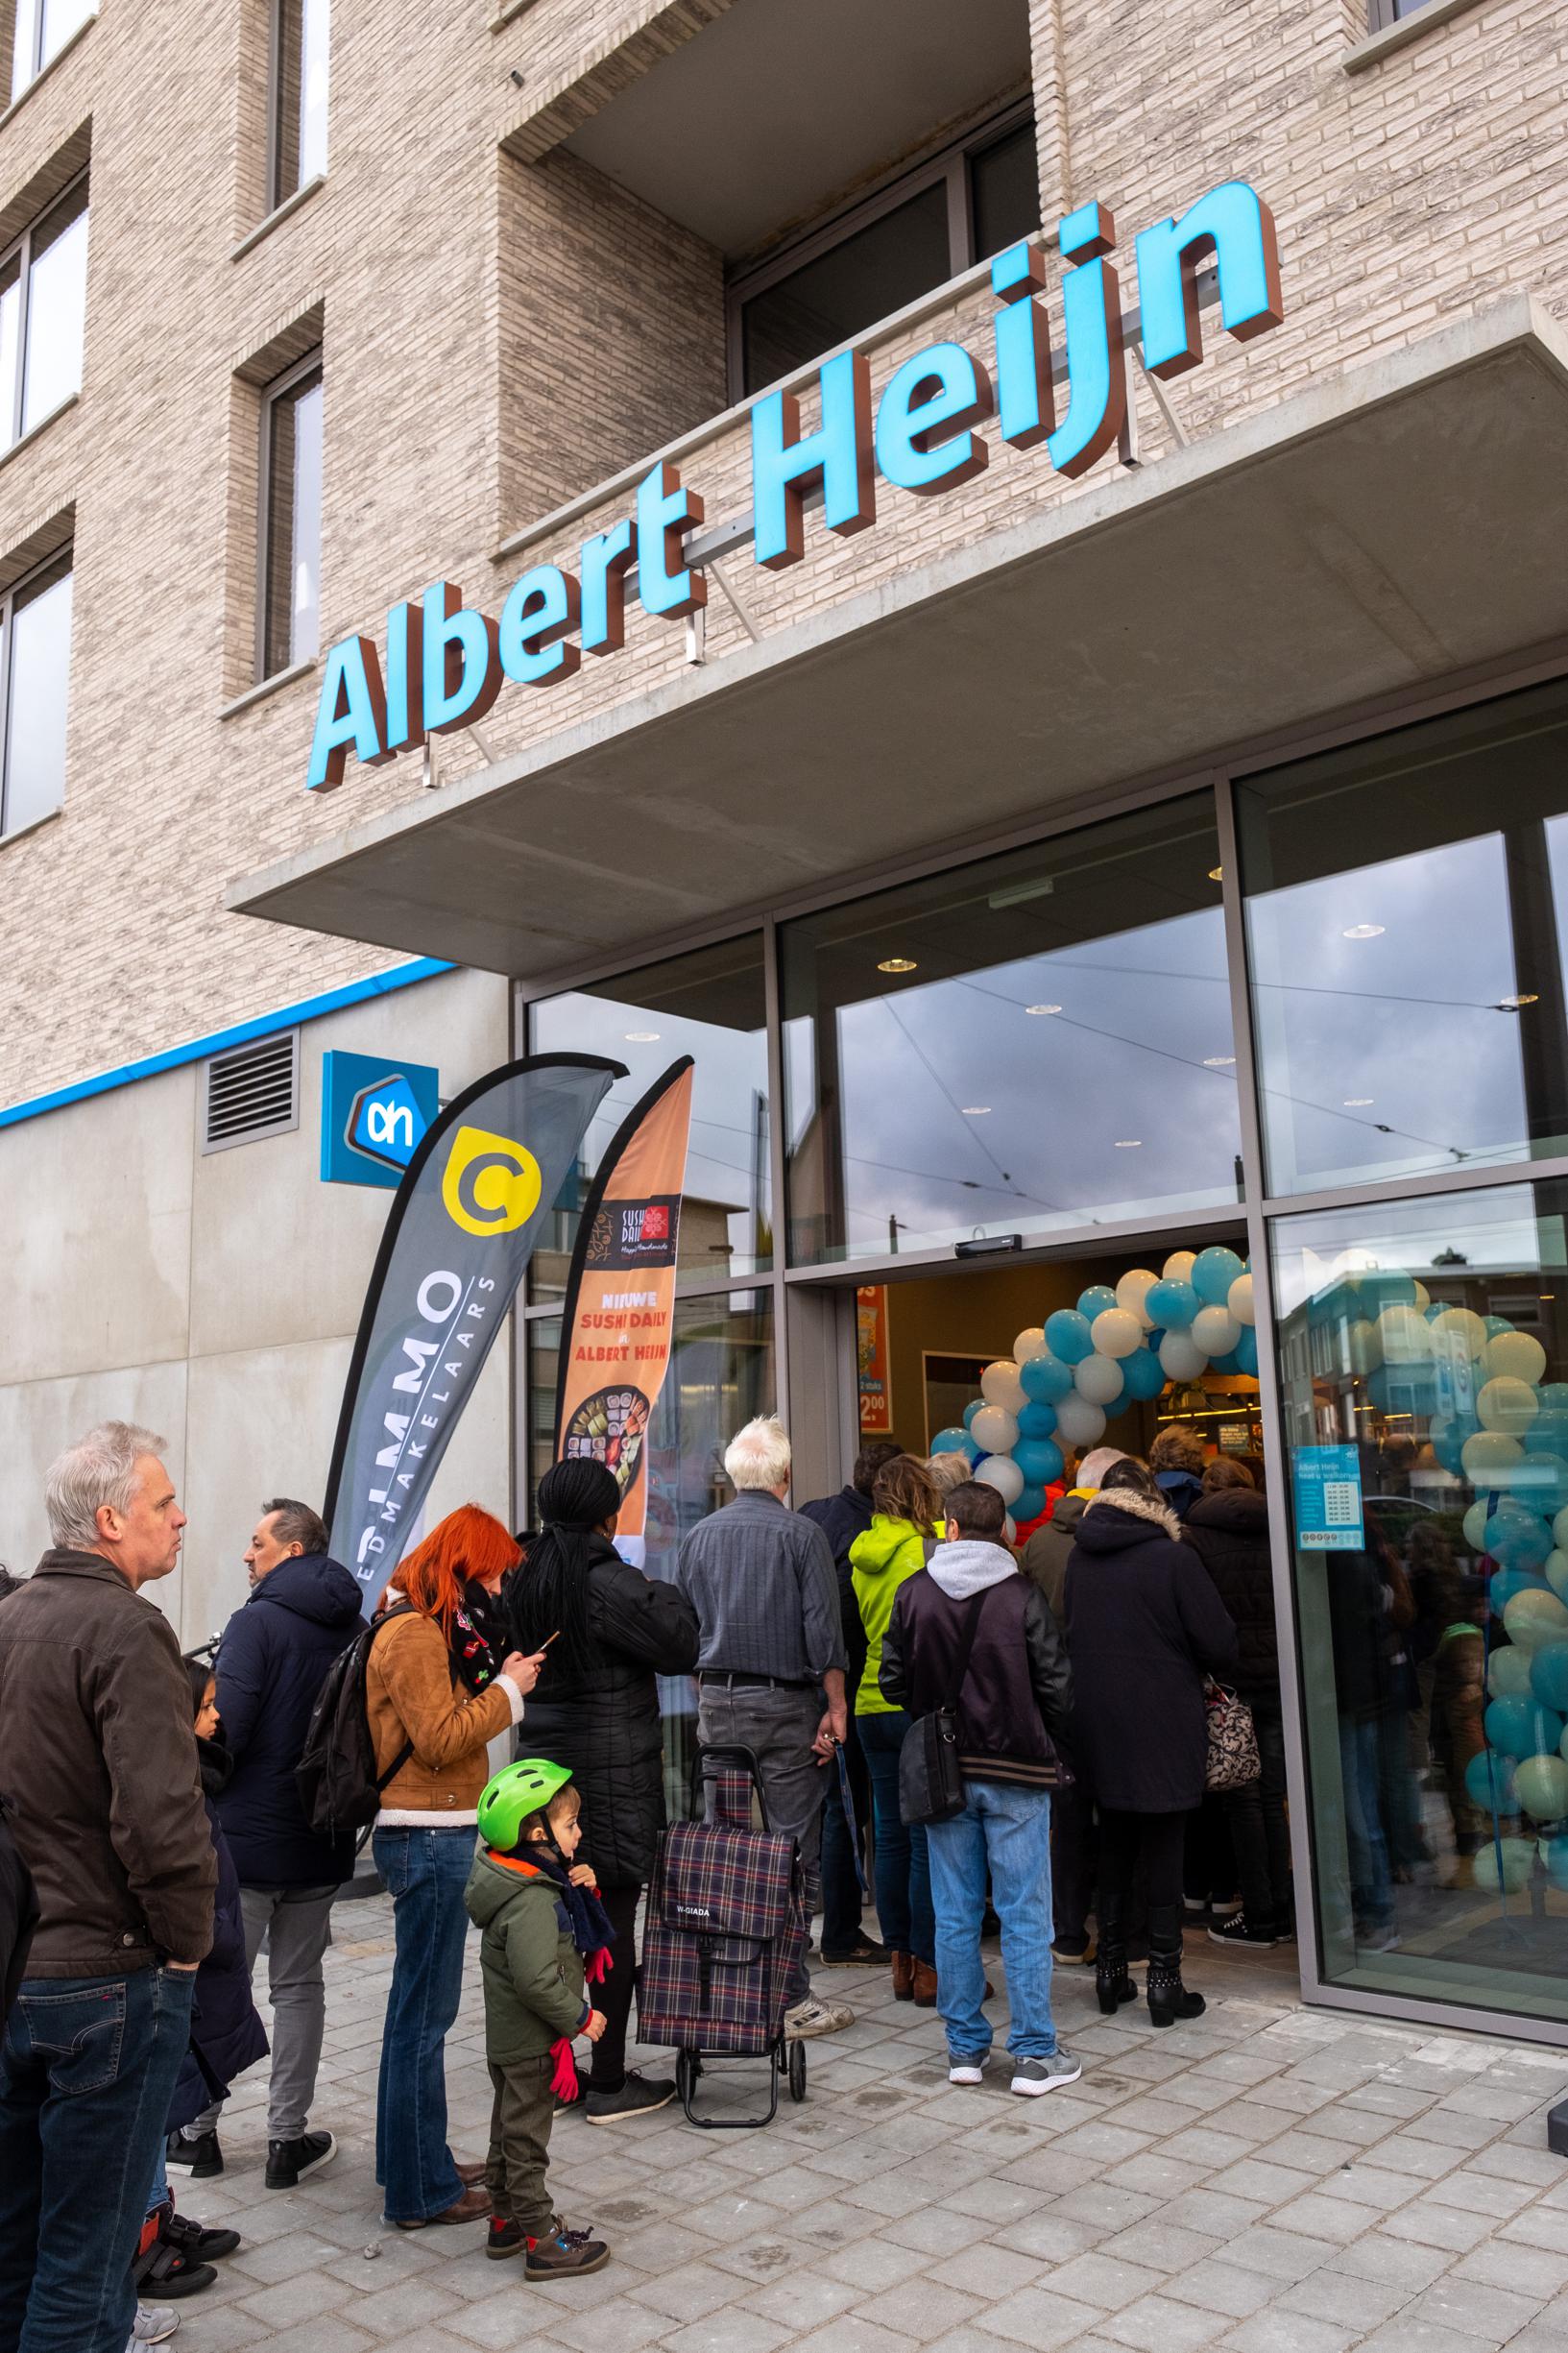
<point>274,1653</point>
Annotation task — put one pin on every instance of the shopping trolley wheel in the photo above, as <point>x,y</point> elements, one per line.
<point>688,2068</point>
<point>797,2071</point>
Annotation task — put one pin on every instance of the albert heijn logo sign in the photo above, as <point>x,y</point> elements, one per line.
<point>447,662</point>
<point>374,1114</point>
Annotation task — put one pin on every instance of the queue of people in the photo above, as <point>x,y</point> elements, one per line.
<point>154,1838</point>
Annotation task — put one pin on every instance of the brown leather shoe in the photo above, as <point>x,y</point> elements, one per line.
<point>903,1977</point>
<point>470,2172</point>
<point>472,2206</point>
<point>925,1986</point>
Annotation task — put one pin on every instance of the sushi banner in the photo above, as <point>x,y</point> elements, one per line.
<point>619,1317</point>
<point>484,1178</point>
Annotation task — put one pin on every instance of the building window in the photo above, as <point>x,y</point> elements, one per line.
<point>39,31</point>
<point>35,676</point>
<point>955,209</point>
<point>299,96</point>
<point>1382,13</point>
<point>1405,906</point>
<point>291,518</point>
<point>43,289</point>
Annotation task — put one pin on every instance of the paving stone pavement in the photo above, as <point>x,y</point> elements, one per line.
<point>1270,2179</point>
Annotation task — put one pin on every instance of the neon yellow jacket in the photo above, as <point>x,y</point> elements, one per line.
<point>880,1561</point>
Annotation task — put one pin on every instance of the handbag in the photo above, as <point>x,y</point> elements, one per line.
<point>1233,1739</point>
<point>931,1778</point>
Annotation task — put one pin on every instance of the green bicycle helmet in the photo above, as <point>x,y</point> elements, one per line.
<point>520,1790</point>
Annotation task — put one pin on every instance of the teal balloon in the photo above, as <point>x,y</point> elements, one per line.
<point>951,1442</point>
<point>1040,1460</point>
<point>1549,1676</point>
<point>1401,1389</point>
<point>1096,1300</point>
<point>1488,1782</point>
<point>974,1406</point>
<point>1548,1433</point>
<point>1212,1273</point>
<point>1495,1325</point>
<point>1030,1503</point>
<point>1553,1853</point>
<point>1044,1379</point>
<point>1036,1420</point>
<point>1118,1404</point>
<point>1521,1728</point>
<point>1448,1441</point>
<point>1520,1538</point>
<point>1068,1336</point>
<point>1143,1375</point>
<point>1173,1304</point>
<point>1225,1363</point>
<point>1382,1287</point>
<point>1507,1581</point>
<point>1246,1352</point>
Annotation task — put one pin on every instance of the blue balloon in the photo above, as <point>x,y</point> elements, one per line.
<point>1118,1404</point>
<point>1143,1375</point>
<point>1488,1782</point>
<point>1040,1460</point>
<point>951,1441</point>
<point>1496,1324</point>
<point>1095,1299</point>
<point>1519,1538</point>
<point>1031,1502</point>
<point>1382,1287</point>
<point>1448,1441</point>
<point>1553,1853</point>
<point>1036,1420</point>
<point>1068,1336</point>
<point>1507,1583</point>
<point>1044,1379</point>
<point>1213,1271</point>
<point>1172,1304</point>
<point>1549,1676</point>
<point>1548,1433</point>
<point>1246,1351</point>
<point>974,1406</point>
<point>1230,1363</point>
<point>1523,1728</point>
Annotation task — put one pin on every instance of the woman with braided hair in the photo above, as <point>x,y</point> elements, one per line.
<point>596,1712</point>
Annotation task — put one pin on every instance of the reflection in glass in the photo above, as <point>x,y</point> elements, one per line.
<point>1038,1040</point>
<point>1425,1340</point>
<point>299,89</point>
<point>39,31</point>
<point>41,659</point>
<point>1404,912</point>
<point>1004,191</point>
<point>11,318</point>
<point>57,298</point>
<point>712,1006</point>
<point>875,271</point>
<point>293,524</point>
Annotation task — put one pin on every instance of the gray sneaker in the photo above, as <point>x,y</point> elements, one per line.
<point>814,2016</point>
<point>152,2323</point>
<point>1032,2077</point>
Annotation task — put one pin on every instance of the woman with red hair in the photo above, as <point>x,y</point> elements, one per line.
<point>438,1689</point>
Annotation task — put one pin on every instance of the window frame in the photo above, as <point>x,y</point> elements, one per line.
<point>1382,15</point>
<point>40,59</point>
<point>276,193</point>
<point>290,381</point>
<point>20,251</point>
<point>10,597</point>
<point>948,164</point>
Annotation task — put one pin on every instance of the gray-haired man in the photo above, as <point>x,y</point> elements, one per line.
<point>99,1777</point>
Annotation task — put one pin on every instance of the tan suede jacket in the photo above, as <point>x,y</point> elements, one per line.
<point>410,1695</point>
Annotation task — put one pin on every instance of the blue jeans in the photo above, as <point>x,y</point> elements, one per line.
<point>425,1872</point>
<point>86,2073</point>
<point>1009,1830</point>
<point>904,1870</point>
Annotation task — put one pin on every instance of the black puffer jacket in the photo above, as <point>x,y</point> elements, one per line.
<point>1229,1532</point>
<point>605,1726</point>
<point>842,1518</point>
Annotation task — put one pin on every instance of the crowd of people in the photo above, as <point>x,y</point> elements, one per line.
<point>156,1835</point>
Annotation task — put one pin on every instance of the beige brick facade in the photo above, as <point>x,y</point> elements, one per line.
<point>503,329</point>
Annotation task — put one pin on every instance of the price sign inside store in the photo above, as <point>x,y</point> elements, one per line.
<point>1327,1484</point>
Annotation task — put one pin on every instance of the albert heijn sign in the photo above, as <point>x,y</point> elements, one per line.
<point>445,663</point>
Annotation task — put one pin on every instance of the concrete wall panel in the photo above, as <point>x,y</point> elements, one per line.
<point>39,1418</point>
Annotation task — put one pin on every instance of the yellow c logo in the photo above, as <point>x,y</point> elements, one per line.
<point>490,1185</point>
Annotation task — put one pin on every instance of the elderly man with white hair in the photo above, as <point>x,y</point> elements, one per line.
<point>762,1582</point>
<point>99,1777</point>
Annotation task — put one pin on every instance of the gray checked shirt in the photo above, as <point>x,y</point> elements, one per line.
<point>762,1582</point>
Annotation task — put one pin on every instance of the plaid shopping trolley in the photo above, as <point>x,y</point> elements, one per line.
<point>726,1925</point>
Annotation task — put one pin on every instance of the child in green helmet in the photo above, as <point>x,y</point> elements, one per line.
<point>543,1931</point>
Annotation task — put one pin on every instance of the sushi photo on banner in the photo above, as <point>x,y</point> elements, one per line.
<point>618,1319</point>
<point>459,1235</point>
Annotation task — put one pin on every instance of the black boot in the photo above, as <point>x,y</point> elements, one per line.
<point>1168,1997</point>
<point>1112,1983</point>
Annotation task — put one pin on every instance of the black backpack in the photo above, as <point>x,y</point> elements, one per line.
<point>339,1787</point>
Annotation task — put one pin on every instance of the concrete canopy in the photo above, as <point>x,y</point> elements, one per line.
<point>1385,529</point>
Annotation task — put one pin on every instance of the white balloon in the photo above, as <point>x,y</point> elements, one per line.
<point>1463,1326</point>
<point>994,1429</point>
<point>1240,1300</point>
<point>1423,1297</point>
<point>1489,1457</point>
<point>1559,1530</point>
<point>1535,1618</point>
<point>1116,1331</point>
<point>1000,1385</point>
<point>1507,1404</point>
<point>1181,1357</point>
<point>1010,1529</point>
<point>1556,1573</point>
<point>1474,1525</point>
<point>1098,1378</point>
<point>1000,1471</point>
<point>1363,1345</point>
<point>1178,1266</point>
<point>1031,1343</point>
<point>1507,1674</point>
<point>1407,1337</point>
<point>1078,1423</point>
<point>1215,1330</point>
<point>1516,1356</point>
<point>1132,1291</point>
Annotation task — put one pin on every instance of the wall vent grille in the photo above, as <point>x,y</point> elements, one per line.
<point>251,1091</point>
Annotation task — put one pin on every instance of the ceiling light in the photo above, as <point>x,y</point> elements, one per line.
<point>1042,1008</point>
<point>1359,1103</point>
<point>977,1110</point>
<point>642,1037</point>
<point>1364,930</point>
<point>1219,1061</point>
<point>898,964</point>
<point>1515,1005</point>
<point>1129,1143</point>
<point>1217,874</point>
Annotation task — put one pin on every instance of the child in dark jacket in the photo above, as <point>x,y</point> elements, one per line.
<point>545,1935</point>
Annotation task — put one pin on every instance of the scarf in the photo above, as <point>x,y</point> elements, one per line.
<point>591,1934</point>
<point>476,1638</point>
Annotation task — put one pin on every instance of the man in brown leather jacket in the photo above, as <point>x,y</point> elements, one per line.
<point>99,1777</point>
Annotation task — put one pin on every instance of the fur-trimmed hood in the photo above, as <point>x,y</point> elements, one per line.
<point>1097,1531</point>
